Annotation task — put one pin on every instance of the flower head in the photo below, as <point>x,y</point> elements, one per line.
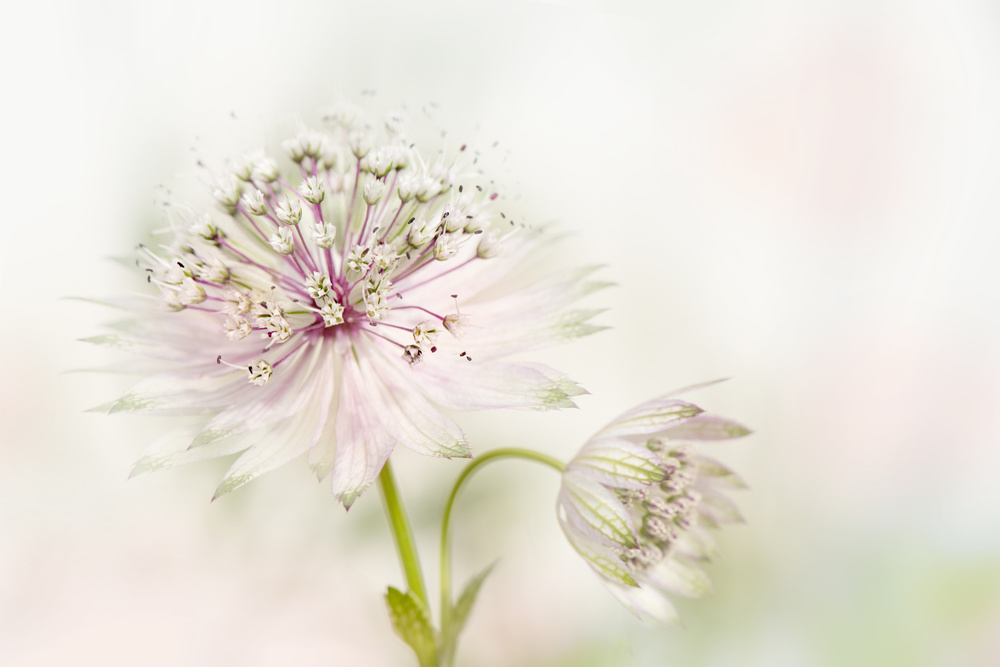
<point>637,500</point>
<point>316,311</point>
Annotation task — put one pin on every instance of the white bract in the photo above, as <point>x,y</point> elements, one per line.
<point>637,500</point>
<point>339,338</point>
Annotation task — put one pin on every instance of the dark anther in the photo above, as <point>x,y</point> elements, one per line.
<point>218,359</point>
<point>460,188</point>
<point>462,148</point>
<point>434,348</point>
<point>461,354</point>
<point>181,265</point>
<point>410,221</point>
<point>479,187</point>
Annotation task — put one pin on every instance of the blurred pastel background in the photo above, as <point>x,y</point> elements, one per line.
<point>798,196</point>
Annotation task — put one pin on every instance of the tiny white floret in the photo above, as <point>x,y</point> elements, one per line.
<point>282,241</point>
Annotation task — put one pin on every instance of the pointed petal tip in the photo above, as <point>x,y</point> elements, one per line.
<point>229,485</point>
<point>140,468</point>
<point>348,498</point>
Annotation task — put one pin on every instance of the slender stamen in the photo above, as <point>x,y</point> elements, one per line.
<point>386,338</point>
<point>440,275</point>
<point>429,312</point>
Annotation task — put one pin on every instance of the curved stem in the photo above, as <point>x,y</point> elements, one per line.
<point>482,459</point>
<point>401,532</point>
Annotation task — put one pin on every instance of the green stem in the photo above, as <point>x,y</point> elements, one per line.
<point>479,461</point>
<point>402,533</point>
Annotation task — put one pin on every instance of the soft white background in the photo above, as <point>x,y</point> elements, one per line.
<point>799,196</point>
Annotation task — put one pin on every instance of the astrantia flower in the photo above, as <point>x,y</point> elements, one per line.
<point>637,501</point>
<point>330,306</point>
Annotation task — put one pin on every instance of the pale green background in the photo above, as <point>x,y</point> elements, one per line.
<point>801,197</point>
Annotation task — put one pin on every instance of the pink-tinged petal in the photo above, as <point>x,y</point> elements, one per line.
<point>470,385</point>
<point>173,449</point>
<point>135,345</point>
<point>619,463</point>
<point>541,297</point>
<point>533,317</point>
<point>363,439</point>
<point>720,475</point>
<point>595,511</point>
<point>478,277</point>
<point>649,418</point>
<point>324,451</point>
<point>646,603</point>
<point>603,559</point>
<point>707,427</point>
<point>695,544</point>
<point>173,394</point>
<point>493,341</point>
<point>677,576</point>
<point>408,416</point>
<point>717,508</point>
<point>289,438</point>
<point>282,397</point>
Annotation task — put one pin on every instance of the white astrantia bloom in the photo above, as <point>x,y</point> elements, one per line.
<point>338,338</point>
<point>637,502</point>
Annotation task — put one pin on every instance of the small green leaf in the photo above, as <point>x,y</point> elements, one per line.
<point>411,621</point>
<point>460,614</point>
<point>467,599</point>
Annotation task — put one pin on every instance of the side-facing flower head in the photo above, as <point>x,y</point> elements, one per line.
<point>637,500</point>
<point>307,316</point>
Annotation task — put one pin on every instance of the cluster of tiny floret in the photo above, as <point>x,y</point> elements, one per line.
<point>662,512</point>
<point>363,224</point>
